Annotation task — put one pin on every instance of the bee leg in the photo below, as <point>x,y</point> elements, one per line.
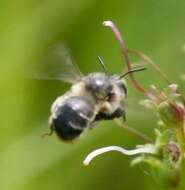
<point>124,117</point>
<point>49,133</point>
<point>92,125</point>
<point>117,114</point>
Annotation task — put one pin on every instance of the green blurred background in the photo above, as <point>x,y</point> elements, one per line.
<point>27,29</point>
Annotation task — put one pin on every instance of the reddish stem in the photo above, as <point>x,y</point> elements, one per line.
<point>125,52</point>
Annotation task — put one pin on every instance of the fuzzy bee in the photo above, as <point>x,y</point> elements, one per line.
<point>92,98</point>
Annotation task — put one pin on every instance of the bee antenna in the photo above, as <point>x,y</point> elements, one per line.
<point>102,64</point>
<point>132,71</point>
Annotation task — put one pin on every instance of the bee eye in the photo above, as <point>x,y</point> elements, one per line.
<point>111,96</point>
<point>123,87</point>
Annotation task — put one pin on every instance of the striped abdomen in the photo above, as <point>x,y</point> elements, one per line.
<point>73,116</point>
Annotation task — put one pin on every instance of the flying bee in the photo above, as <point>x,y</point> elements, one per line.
<point>90,99</point>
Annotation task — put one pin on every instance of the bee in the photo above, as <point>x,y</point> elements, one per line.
<point>92,98</point>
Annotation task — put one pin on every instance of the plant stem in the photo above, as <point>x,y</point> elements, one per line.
<point>125,52</point>
<point>133,131</point>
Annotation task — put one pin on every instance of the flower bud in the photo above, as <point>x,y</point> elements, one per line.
<point>170,113</point>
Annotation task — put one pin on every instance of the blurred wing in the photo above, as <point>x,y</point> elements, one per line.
<point>58,65</point>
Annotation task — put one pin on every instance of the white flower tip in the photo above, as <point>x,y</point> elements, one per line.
<point>108,23</point>
<point>160,123</point>
<point>173,87</point>
<point>153,87</point>
<point>86,162</point>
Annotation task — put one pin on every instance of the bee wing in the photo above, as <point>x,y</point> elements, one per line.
<point>57,65</point>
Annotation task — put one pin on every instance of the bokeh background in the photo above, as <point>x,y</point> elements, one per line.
<point>27,29</point>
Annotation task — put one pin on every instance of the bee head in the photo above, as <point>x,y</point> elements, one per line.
<point>100,85</point>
